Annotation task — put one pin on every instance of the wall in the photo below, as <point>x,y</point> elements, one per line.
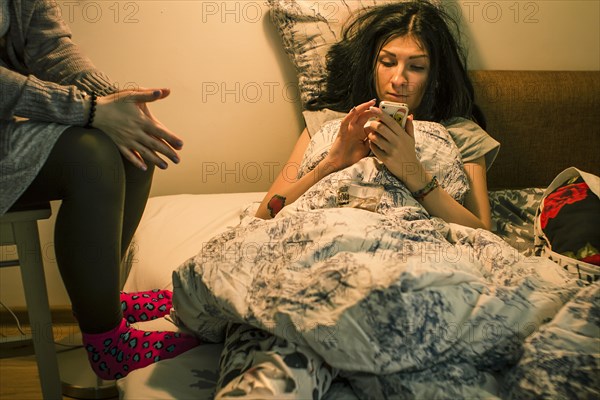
<point>233,98</point>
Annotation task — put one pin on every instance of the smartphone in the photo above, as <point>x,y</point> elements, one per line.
<point>398,111</point>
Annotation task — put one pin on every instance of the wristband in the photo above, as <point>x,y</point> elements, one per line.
<point>90,120</point>
<point>420,194</point>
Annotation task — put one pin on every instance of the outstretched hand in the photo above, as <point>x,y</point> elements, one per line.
<point>125,117</point>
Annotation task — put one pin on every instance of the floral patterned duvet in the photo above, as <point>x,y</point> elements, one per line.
<point>400,304</point>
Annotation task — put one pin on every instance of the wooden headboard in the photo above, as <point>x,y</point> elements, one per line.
<point>545,121</point>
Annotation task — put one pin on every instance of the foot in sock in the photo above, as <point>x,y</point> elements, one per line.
<point>146,306</point>
<point>116,353</point>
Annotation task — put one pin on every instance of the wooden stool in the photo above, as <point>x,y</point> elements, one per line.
<point>19,227</point>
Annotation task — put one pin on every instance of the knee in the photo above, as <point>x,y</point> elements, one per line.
<point>91,146</point>
<point>92,159</point>
<point>138,182</point>
<point>136,176</point>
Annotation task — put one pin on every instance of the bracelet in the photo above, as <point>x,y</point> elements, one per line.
<point>420,194</point>
<point>275,205</point>
<point>90,120</point>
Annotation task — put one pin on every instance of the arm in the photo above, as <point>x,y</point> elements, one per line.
<point>395,147</point>
<point>30,97</point>
<point>123,116</point>
<point>60,74</point>
<point>476,211</point>
<point>50,54</point>
<point>289,187</point>
<point>45,74</point>
<point>349,147</point>
<point>476,199</point>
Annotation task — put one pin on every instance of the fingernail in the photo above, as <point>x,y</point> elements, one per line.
<point>163,165</point>
<point>156,93</point>
<point>175,160</point>
<point>143,167</point>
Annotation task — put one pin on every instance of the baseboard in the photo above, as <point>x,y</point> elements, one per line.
<point>60,315</point>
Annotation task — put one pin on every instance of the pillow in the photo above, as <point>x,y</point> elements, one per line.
<point>567,224</point>
<point>308,28</point>
<point>316,119</point>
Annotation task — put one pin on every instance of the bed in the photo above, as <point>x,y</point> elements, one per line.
<point>552,350</point>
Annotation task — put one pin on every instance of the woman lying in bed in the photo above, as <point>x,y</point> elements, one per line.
<point>401,53</point>
<point>401,300</point>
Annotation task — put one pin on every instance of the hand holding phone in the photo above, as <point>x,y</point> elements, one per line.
<point>398,111</point>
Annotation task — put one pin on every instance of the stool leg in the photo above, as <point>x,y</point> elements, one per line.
<point>36,296</point>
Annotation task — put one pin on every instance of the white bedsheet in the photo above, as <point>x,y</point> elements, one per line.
<point>191,375</point>
<point>172,230</point>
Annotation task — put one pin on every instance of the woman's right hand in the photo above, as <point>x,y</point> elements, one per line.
<point>351,144</point>
<point>124,116</point>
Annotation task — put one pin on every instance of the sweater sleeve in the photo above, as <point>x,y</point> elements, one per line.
<point>51,55</point>
<point>30,97</point>
<point>44,74</point>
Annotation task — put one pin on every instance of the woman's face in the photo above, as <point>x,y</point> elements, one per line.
<point>401,71</point>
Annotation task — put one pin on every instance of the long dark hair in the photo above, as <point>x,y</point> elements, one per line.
<point>351,62</point>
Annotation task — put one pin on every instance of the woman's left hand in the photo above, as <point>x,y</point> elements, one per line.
<point>125,117</point>
<point>395,146</point>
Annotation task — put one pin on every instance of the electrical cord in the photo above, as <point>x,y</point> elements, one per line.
<point>20,329</point>
<point>15,317</point>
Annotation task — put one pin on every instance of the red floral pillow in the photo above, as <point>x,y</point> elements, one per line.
<point>569,219</point>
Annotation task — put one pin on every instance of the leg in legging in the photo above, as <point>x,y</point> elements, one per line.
<point>86,171</point>
<point>66,169</point>
<point>151,304</point>
<point>137,189</point>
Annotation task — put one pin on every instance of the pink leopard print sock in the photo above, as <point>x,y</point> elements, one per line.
<point>146,306</point>
<point>116,353</point>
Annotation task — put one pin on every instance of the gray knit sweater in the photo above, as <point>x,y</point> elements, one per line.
<point>43,77</point>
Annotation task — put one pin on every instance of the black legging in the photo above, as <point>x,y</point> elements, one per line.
<point>103,198</point>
